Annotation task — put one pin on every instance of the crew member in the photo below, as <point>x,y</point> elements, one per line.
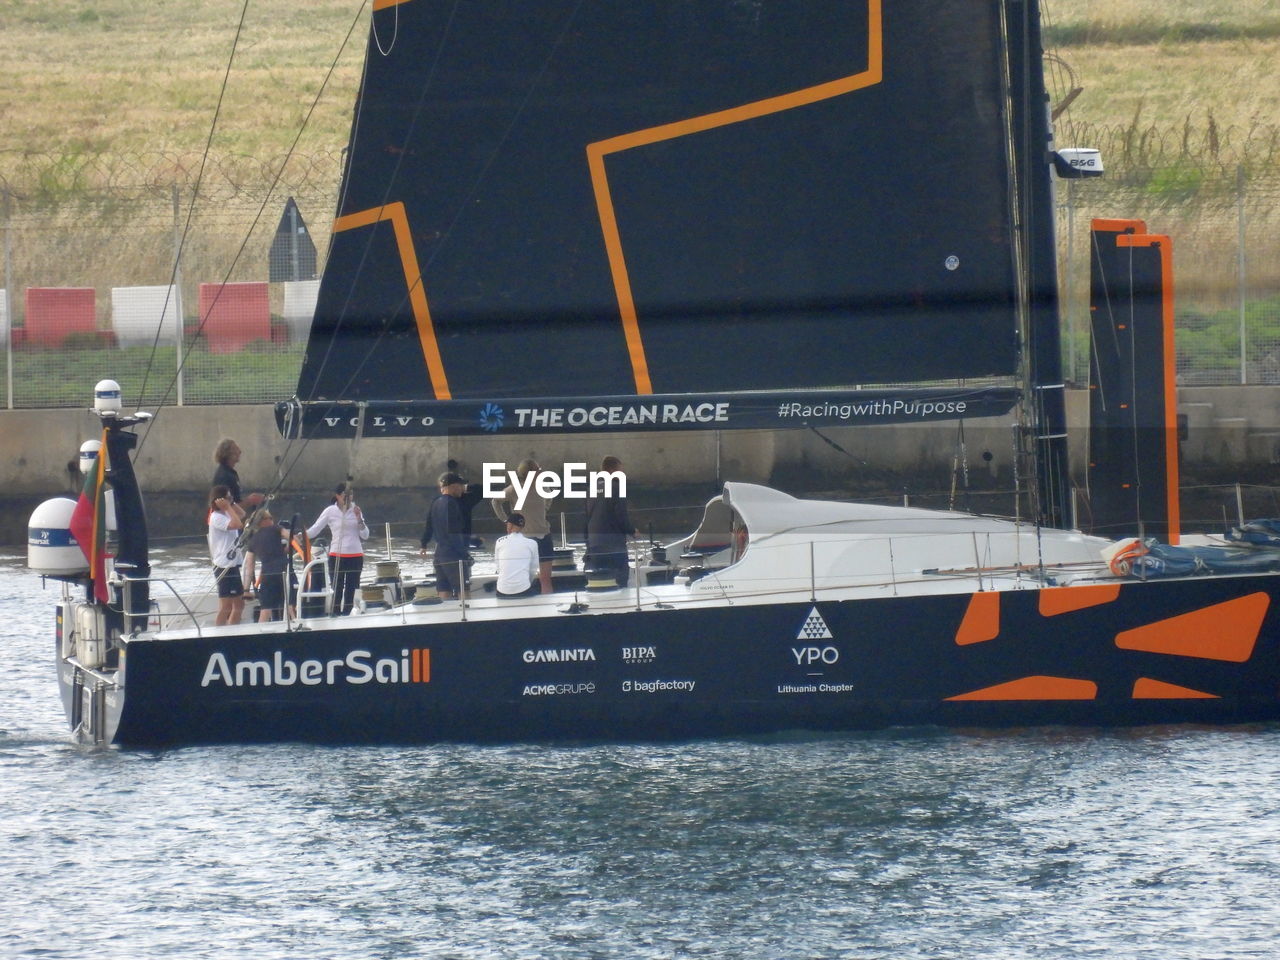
<point>516,557</point>
<point>348,532</point>
<point>608,527</point>
<point>536,526</point>
<point>452,558</point>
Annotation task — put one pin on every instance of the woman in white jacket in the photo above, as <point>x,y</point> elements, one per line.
<point>347,533</point>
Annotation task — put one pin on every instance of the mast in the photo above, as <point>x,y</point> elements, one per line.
<point>1032,137</point>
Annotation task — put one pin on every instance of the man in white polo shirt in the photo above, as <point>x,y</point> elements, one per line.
<point>516,557</point>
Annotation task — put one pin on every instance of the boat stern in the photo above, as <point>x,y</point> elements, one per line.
<point>90,673</point>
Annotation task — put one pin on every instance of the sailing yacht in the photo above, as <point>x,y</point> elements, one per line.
<point>572,216</point>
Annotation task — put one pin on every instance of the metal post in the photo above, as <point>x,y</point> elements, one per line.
<point>1239,504</point>
<point>462,588</point>
<point>1240,270</point>
<point>284,610</point>
<point>893,569</point>
<point>1068,277</point>
<point>977,559</point>
<point>177,294</point>
<point>295,272</point>
<point>8,295</point>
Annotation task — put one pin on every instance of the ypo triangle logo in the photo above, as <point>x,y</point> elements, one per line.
<point>814,627</point>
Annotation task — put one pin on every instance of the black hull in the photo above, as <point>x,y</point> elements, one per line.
<point>1190,651</point>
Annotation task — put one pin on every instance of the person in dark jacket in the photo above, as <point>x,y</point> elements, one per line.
<point>472,494</point>
<point>608,526</point>
<point>446,525</point>
<point>226,455</point>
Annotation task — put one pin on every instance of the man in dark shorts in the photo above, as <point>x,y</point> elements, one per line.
<point>267,546</point>
<point>452,559</point>
<point>226,519</point>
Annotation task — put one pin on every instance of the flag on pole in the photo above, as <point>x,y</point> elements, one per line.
<point>89,522</point>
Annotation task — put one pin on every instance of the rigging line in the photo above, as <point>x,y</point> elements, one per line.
<point>1105,293</point>
<point>835,446</point>
<point>204,159</point>
<point>506,134</point>
<point>266,199</point>
<point>464,205</point>
<point>386,194</point>
<point>283,473</point>
<point>395,33</point>
<point>1133,398</point>
<point>1020,157</point>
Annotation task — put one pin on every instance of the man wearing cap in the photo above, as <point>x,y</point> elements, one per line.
<point>445,523</point>
<point>516,557</point>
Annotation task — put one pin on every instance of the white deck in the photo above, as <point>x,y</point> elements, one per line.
<point>795,550</point>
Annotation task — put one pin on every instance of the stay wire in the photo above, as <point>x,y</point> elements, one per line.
<point>262,206</point>
<point>366,251</point>
<point>204,160</point>
<point>461,207</point>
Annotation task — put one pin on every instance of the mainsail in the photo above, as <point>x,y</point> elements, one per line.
<point>743,207</point>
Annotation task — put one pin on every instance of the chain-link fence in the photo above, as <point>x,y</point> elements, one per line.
<point>185,283</point>
<point>111,269</point>
<point>1215,191</point>
<point>1225,230</point>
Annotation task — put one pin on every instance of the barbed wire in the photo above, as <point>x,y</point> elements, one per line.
<point>1183,159</point>
<point>1138,151</point>
<point>44,180</point>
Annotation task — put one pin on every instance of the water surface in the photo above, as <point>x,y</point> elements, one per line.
<point>1153,843</point>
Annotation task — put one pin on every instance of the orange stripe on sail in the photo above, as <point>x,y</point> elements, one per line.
<point>596,153</point>
<point>1224,631</point>
<point>395,213</point>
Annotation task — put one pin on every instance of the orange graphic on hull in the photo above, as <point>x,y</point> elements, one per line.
<point>1035,688</point>
<point>421,669</point>
<point>1144,688</point>
<point>1225,631</point>
<point>1057,600</point>
<point>981,620</point>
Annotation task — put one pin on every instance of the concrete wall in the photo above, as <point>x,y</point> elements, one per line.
<point>176,452</point>
<point>1231,430</point>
